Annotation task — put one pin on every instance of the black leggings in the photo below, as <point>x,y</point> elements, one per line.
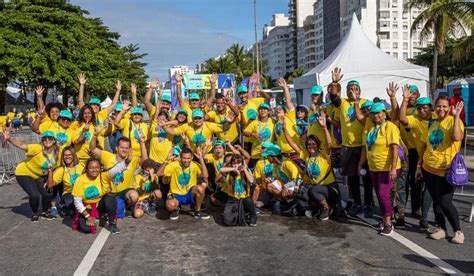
<point>107,205</point>
<point>442,193</point>
<point>413,187</point>
<point>35,189</point>
<point>354,186</point>
<point>67,200</point>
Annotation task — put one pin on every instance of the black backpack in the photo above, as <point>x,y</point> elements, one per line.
<point>234,213</point>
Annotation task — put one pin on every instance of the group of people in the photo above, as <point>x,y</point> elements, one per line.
<point>245,156</point>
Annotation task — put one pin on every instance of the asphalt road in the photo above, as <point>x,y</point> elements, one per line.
<point>277,245</point>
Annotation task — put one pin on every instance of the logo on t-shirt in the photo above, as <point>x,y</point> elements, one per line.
<point>351,113</point>
<point>436,138</point>
<point>199,139</point>
<point>265,134</point>
<point>91,192</point>
<point>314,170</point>
<point>118,178</point>
<point>61,138</point>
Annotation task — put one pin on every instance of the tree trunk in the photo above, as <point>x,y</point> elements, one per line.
<point>66,97</point>
<point>3,94</point>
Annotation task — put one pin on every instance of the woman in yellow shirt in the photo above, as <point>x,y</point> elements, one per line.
<point>441,143</point>
<point>147,186</point>
<point>31,173</point>
<point>381,140</point>
<point>66,175</point>
<point>82,133</point>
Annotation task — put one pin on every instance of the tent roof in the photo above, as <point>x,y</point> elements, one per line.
<point>359,58</point>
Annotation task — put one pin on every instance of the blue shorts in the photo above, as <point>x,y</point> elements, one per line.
<point>185,199</point>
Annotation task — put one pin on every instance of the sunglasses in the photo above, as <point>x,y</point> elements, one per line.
<point>65,119</point>
<point>48,138</point>
<point>197,118</point>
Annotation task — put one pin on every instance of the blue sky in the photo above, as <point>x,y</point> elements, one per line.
<point>182,32</point>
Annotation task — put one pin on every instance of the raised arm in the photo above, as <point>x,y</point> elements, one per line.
<point>204,172</point>
<point>37,122</point>
<point>212,80</point>
<point>334,87</point>
<point>458,134</point>
<point>166,127</point>
<point>179,79</point>
<point>125,108</point>
<point>286,93</point>
<point>118,87</point>
<point>17,143</point>
<point>403,109</point>
<point>143,149</point>
<point>82,82</point>
<point>327,135</point>
<point>359,115</point>
<point>263,93</point>
<point>81,138</point>
<point>147,98</point>
<point>133,91</point>
<point>288,137</point>
<point>392,92</point>
<point>93,145</point>
<point>39,97</point>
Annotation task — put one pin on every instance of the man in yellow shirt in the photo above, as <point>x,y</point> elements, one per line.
<point>132,128</point>
<point>183,177</point>
<point>352,132</point>
<point>224,106</point>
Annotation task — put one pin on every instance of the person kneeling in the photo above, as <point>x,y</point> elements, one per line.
<point>146,183</point>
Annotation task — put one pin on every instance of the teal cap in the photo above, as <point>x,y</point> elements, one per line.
<point>65,113</point>
<point>316,90</point>
<point>183,111</point>
<point>137,110</point>
<point>219,143</point>
<point>118,106</point>
<point>413,88</point>
<point>264,105</point>
<point>242,89</point>
<point>367,104</point>
<point>166,98</point>
<point>353,82</point>
<point>176,150</point>
<point>94,101</point>
<point>377,107</point>
<point>198,113</point>
<point>267,144</point>
<point>194,96</point>
<point>423,101</point>
<point>47,133</point>
<point>273,150</point>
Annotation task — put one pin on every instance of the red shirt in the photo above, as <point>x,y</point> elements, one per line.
<point>453,101</point>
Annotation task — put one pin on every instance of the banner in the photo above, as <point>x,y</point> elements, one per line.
<point>254,83</point>
<point>225,81</point>
<point>197,81</point>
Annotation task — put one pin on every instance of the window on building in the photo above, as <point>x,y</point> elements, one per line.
<point>405,45</point>
<point>395,15</point>
<point>385,24</point>
<point>384,14</point>
<point>395,35</point>
<point>384,3</point>
<point>405,27</point>
<point>384,35</point>
<point>405,35</point>
<point>395,54</point>
<point>405,55</point>
<point>394,3</point>
<point>395,45</point>
<point>394,25</point>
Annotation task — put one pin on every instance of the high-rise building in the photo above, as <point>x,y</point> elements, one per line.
<point>274,46</point>
<point>309,45</point>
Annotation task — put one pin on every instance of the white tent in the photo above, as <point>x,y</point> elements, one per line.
<point>361,60</point>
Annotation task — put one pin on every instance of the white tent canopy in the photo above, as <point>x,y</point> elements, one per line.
<point>361,60</point>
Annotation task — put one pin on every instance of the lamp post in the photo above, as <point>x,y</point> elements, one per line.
<point>256,38</point>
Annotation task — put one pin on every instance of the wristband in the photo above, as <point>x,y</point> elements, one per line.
<point>418,166</point>
<point>87,216</point>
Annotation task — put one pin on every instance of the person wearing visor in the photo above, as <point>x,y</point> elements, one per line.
<point>132,128</point>
<point>381,141</point>
<point>31,173</point>
<point>225,106</point>
<point>161,142</point>
<point>260,131</point>
<point>316,112</point>
<point>352,133</point>
<point>302,120</point>
<point>101,116</point>
<point>198,131</point>
<point>215,160</point>
<point>165,100</point>
<point>418,125</point>
<point>264,172</point>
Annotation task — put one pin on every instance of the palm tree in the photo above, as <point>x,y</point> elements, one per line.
<point>236,55</point>
<point>441,19</point>
<point>297,72</point>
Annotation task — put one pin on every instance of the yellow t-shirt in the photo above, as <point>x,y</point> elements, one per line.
<point>234,187</point>
<point>251,110</point>
<point>10,116</point>
<point>91,191</point>
<point>3,123</point>
<point>290,122</point>
<point>351,129</point>
<point>316,130</point>
<point>190,112</point>
<point>265,129</point>
<point>288,171</point>
<point>377,140</point>
<point>405,132</point>
<point>124,180</point>
<point>318,168</point>
<point>147,186</point>
<point>217,163</point>
<point>36,163</point>
<point>82,149</point>
<point>101,117</point>
<point>232,133</point>
<point>198,136</point>
<point>67,176</point>
<point>182,180</point>
<point>46,125</point>
<point>131,131</point>
<point>264,169</point>
<point>440,146</point>
<point>418,129</point>
<point>334,113</point>
<point>31,116</point>
<point>161,143</point>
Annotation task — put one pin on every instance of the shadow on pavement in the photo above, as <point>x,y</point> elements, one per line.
<point>463,266</point>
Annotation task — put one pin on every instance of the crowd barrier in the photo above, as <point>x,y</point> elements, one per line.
<point>10,155</point>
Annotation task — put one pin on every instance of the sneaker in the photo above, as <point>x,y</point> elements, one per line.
<point>458,237</point>
<point>258,211</point>
<point>387,230</point>
<point>415,214</point>
<point>379,226</point>
<point>438,234</point>
<point>368,212</point>
<point>400,223</point>
<point>423,225</point>
<point>201,215</point>
<point>174,215</point>
<point>46,216</point>
<point>102,221</point>
<point>253,222</point>
<point>325,213</point>
<point>114,229</point>
<point>53,212</point>
<point>34,218</point>
<point>355,210</point>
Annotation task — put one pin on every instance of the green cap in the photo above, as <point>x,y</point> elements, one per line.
<point>166,98</point>
<point>176,150</point>
<point>273,150</point>
<point>367,104</point>
<point>242,89</point>
<point>198,113</point>
<point>423,101</point>
<point>137,110</point>
<point>377,107</point>
<point>118,106</point>
<point>95,101</point>
<point>413,88</point>
<point>264,105</point>
<point>47,133</point>
<point>65,113</point>
<point>316,90</point>
<point>184,111</point>
<point>353,82</point>
<point>194,96</point>
<point>219,143</point>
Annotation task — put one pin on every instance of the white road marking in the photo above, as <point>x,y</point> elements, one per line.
<point>447,268</point>
<point>92,254</point>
